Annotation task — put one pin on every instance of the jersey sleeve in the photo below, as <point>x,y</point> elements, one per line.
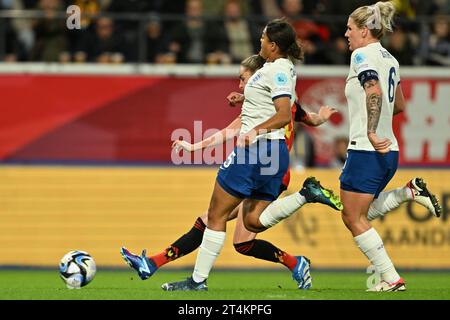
<point>364,66</point>
<point>280,82</point>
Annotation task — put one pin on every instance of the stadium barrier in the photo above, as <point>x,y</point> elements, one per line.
<point>49,210</point>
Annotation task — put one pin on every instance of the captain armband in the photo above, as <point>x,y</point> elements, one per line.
<point>367,75</point>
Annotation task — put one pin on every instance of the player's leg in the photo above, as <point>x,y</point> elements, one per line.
<point>238,178</point>
<point>184,245</point>
<point>147,266</point>
<point>245,243</point>
<point>416,190</point>
<point>366,237</point>
<point>311,192</point>
<point>188,242</point>
<point>359,186</point>
<point>221,205</point>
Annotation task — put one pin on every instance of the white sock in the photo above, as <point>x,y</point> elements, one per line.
<point>210,248</point>
<point>281,209</point>
<point>388,201</point>
<point>372,246</point>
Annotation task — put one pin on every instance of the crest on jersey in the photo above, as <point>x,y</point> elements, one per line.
<point>359,58</point>
<point>281,79</point>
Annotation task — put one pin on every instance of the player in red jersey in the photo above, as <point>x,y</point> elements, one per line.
<point>244,241</point>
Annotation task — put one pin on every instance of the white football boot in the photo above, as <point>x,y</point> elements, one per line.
<point>383,286</point>
<point>424,197</point>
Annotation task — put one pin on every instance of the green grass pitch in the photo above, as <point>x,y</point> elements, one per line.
<point>223,285</point>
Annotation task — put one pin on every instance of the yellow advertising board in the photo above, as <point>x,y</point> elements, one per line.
<point>47,211</point>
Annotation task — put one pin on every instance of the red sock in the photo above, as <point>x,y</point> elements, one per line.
<point>183,246</point>
<point>164,257</point>
<point>288,260</point>
<point>265,250</point>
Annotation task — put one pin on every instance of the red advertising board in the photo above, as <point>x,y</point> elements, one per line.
<point>118,119</point>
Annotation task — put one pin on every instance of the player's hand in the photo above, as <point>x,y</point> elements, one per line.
<point>182,145</point>
<point>325,112</point>
<point>235,98</point>
<point>380,145</point>
<point>246,139</point>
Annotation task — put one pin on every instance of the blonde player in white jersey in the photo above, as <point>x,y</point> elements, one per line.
<point>374,95</point>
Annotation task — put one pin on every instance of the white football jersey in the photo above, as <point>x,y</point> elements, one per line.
<point>274,79</point>
<point>369,61</point>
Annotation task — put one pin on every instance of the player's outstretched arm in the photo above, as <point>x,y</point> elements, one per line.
<point>316,119</point>
<point>235,98</point>
<point>220,137</point>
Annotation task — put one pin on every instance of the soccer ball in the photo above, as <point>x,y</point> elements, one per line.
<point>77,269</point>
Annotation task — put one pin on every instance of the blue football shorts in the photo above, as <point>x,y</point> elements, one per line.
<point>368,171</point>
<point>256,171</point>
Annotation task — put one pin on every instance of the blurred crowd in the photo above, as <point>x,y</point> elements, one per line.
<point>210,31</point>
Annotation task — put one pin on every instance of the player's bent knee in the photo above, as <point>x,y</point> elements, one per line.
<point>244,247</point>
<point>349,221</point>
<point>253,225</point>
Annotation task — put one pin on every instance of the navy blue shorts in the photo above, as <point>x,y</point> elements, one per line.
<point>256,171</point>
<point>368,171</point>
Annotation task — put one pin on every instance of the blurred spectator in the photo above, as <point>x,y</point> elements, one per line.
<point>50,32</point>
<point>192,40</point>
<point>400,44</point>
<point>129,28</point>
<point>241,37</point>
<point>214,8</point>
<point>342,7</point>
<point>442,7</point>
<point>103,45</point>
<point>156,43</point>
<point>410,9</point>
<point>11,46</point>
<point>268,9</point>
<point>312,35</point>
<point>438,43</point>
<point>89,10</point>
<point>203,37</point>
<point>338,52</point>
<point>315,7</point>
<point>172,7</point>
<point>340,152</point>
<point>340,11</point>
<point>138,6</point>
<point>8,45</point>
<point>20,34</point>
<point>405,8</point>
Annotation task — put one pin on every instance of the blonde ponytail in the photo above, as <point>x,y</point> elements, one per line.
<point>378,18</point>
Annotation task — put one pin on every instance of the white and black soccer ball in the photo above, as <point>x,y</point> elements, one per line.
<point>77,269</point>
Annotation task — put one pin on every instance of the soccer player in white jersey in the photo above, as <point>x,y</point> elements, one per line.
<point>246,176</point>
<point>244,241</point>
<point>374,95</point>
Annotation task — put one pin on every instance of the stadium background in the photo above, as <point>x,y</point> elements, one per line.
<point>86,160</point>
